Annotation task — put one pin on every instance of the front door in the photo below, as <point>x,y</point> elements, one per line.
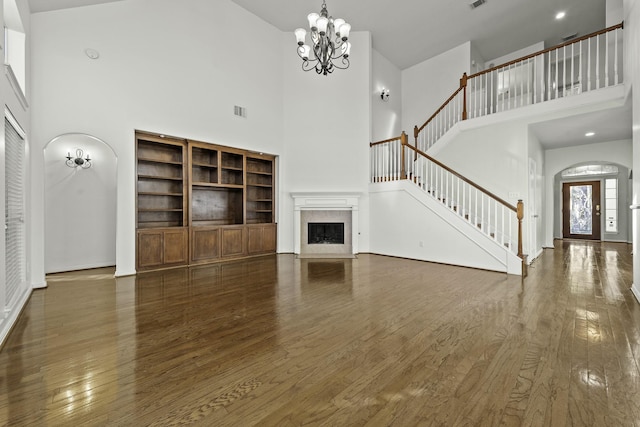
<point>581,210</point>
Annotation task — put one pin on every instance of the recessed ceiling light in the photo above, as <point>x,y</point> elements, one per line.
<point>560,15</point>
<point>589,134</point>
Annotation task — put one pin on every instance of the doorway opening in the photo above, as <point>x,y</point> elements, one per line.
<point>581,210</point>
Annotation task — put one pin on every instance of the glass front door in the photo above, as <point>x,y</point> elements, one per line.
<point>581,210</point>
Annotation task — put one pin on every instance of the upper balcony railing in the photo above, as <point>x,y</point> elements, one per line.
<point>582,65</point>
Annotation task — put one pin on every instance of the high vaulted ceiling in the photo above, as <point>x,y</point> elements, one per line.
<point>409,31</point>
<point>48,5</point>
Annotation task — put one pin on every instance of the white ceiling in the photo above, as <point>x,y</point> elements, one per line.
<point>48,5</point>
<point>608,125</point>
<point>408,32</point>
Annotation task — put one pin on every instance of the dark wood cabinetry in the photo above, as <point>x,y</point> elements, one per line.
<point>199,202</point>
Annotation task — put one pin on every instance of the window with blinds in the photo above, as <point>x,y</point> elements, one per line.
<point>14,213</point>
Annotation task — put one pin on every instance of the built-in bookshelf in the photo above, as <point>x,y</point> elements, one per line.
<point>161,184</point>
<point>199,202</point>
<point>259,190</point>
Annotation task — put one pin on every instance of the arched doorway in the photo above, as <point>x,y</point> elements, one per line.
<point>591,202</point>
<point>80,203</point>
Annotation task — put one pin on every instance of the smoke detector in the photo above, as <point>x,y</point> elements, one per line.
<point>477,3</point>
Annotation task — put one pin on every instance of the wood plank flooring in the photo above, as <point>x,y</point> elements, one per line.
<point>377,341</point>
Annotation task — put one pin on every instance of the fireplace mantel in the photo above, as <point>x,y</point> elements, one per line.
<point>325,201</point>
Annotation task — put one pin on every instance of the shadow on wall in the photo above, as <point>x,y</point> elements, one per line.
<point>80,204</point>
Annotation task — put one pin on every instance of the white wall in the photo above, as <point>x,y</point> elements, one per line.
<point>165,66</point>
<point>170,68</point>
<point>536,47</point>
<point>411,224</point>
<point>614,12</point>
<point>495,157</point>
<point>80,206</point>
<point>426,86</point>
<point>327,129</point>
<point>386,115</point>
<point>477,61</point>
<point>632,78</point>
<point>535,201</point>
<point>22,114</point>
<point>559,159</point>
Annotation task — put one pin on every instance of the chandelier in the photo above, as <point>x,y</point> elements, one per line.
<point>329,38</point>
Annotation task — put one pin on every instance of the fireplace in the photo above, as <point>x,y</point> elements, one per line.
<point>325,233</point>
<point>335,216</point>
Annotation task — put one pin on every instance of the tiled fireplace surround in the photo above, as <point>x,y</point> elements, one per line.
<point>325,207</point>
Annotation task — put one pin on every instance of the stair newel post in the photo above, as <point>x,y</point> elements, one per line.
<point>404,141</point>
<point>463,85</point>
<point>520,215</point>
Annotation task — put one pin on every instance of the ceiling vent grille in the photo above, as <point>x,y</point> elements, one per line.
<point>569,37</point>
<point>477,3</point>
<point>240,111</point>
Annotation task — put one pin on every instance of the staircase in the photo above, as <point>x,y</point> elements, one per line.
<point>586,64</point>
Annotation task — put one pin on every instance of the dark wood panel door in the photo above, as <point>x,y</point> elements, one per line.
<point>261,239</point>
<point>150,249</point>
<point>233,242</point>
<point>205,244</point>
<point>581,210</point>
<point>175,247</point>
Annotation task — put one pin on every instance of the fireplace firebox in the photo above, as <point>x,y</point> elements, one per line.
<point>326,233</point>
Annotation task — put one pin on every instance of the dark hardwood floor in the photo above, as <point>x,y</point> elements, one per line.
<point>369,341</point>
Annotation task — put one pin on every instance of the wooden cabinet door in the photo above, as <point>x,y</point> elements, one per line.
<point>233,242</point>
<point>205,244</point>
<point>261,239</point>
<point>162,247</point>
<point>175,247</point>
<point>150,249</point>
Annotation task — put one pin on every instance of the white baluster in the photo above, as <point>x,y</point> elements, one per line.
<point>597,62</point>
<point>548,76</point>
<point>580,82</point>
<point>588,65</point>
<point>615,59</point>
<point>572,67</point>
<point>502,228</point>
<point>606,59</point>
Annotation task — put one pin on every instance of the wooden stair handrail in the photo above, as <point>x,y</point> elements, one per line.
<point>542,52</point>
<point>465,179</point>
<point>397,138</point>
<point>519,209</point>
<point>418,129</point>
<point>465,78</point>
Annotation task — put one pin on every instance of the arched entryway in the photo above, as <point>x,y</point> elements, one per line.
<point>591,201</point>
<point>80,203</point>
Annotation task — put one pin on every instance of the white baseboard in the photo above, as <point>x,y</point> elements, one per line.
<point>636,291</point>
<point>7,322</point>
<point>119,273</point>
<point>40,285</point>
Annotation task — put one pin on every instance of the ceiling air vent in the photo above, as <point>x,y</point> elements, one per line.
<point>477,3</point>
<point>569,37</point>
<point>240,111</point>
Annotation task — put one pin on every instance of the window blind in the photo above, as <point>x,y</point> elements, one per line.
<point>14,213</point>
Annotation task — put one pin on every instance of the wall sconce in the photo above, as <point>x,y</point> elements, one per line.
<point>78,160</point>
<point>384,95</point>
